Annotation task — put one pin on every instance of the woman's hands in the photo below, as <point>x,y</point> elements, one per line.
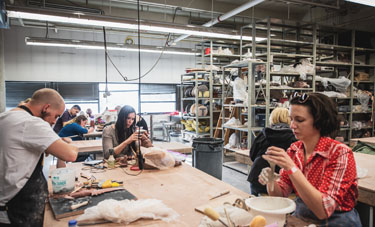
<point>264,176</point>
<point>279,157</point>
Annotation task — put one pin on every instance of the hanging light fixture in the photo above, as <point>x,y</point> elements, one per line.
<point>124,23</point>
<point>93,45</point>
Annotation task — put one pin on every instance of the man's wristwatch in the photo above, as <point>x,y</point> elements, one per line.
<point>292,170</point>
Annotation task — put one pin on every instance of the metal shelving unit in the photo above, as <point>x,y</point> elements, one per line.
<point>287,42</point>
<point>251,106</point>
<point>195,79</point>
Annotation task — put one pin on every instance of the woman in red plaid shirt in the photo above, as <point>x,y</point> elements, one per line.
<point>320,170</point>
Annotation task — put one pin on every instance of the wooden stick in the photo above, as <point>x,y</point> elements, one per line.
<point>221,194</point>
<point>78,205</point>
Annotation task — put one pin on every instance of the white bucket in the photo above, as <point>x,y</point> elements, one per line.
<point>63,180</point>
<point>274,209</point>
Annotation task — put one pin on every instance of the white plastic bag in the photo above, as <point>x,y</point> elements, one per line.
<point>127,211</point>
<point>239,90</point>
<point>234,141</point>
<point>158,158</point>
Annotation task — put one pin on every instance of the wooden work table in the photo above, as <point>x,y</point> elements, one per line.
<point>368,140</point>
<point>88,145</point>
<point>181,188</point>
<point>366,185</point>
<point>93,134</point>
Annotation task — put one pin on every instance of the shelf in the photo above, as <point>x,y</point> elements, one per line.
<point>243,64</point>
<point>363,82</point>
<point>285,55</point>
<point>292,88</point>
<point>333,63</point>
<point>244,129</point>
<point>366,127</point>
<point>199,98</point>
<point>359,65</point>
<point>280,42</point>
<point>333,47</point>
<point>193,81</point>
<point>196,133</point>
<point>345,129</point>
<point>223,55</point>
<point>239,151</point>
<point>191,117</point>
<point>284,74</point>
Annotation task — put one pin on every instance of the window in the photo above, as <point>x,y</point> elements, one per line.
<point>155,98</point>
<point>121,94</point>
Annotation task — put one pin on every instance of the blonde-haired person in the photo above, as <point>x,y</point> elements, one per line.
<point>75,127</point>
<point>277,134</point>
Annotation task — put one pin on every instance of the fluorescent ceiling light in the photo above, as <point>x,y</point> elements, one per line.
<point>129,24</point>
<point>83,44</point>
<point>364,2</point>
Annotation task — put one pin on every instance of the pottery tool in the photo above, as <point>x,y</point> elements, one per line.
<point>78,205</point>
<point>213,215</point>
<point>271,177</point>
<point>221,194</point>
<point>230,223</point>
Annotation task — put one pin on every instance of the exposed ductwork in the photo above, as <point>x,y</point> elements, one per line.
<point>224,16</point>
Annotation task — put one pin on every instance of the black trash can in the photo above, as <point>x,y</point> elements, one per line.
<point>208,156</point>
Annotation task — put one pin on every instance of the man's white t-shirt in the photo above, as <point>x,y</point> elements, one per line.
<point>23,138</point>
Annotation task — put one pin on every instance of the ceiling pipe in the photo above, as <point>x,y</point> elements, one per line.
<point>303,2</point>
<point>223,17</point>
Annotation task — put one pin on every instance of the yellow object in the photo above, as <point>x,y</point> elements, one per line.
<point>183,121</point>
<point>211,213</point>
<point>115,184</point>
<point>206,94</point>
<point>189,129</point>
<point>200,130</point>
<point>207,129</point>
<point>107,184</point>
<point>258,221</point>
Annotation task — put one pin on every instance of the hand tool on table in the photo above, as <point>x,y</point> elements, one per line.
<point>221,194</point>
<point>213,215</point>
<point>271,177</point>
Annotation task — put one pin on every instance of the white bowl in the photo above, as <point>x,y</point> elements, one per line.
<point>274,209</point>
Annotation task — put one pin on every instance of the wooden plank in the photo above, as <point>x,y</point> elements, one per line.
<point>181,188</point>
<point>88,145</point>
<point>368,140</point>
<point>175,146</point>
<point>366,185</point>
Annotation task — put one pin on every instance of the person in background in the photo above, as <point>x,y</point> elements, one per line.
<point>67,115</point>
<point>90,117</point>
<point>278,134</point>
<point>122,135</point>
<point>75,128</point>
<point>118,108</point>
<point>23,102</point>
<point>25,135</point>
<point>320,170</point>
<point>140,122</point>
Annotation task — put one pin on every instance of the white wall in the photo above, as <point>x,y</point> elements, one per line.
<point>37,63</point>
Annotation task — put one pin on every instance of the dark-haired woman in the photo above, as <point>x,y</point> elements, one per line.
<point>320,170</point>
<point>122,135</point>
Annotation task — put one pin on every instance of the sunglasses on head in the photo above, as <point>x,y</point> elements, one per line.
<point>302,98</point>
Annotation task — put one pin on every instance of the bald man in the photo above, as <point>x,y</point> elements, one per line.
<point>25,135</point>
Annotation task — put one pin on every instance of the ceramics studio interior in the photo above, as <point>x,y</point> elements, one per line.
<point>187,113</point>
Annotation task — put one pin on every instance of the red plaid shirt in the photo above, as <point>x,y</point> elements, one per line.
<point>331,169</point>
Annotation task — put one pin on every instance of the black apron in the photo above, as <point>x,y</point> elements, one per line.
<point>27,207</point>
